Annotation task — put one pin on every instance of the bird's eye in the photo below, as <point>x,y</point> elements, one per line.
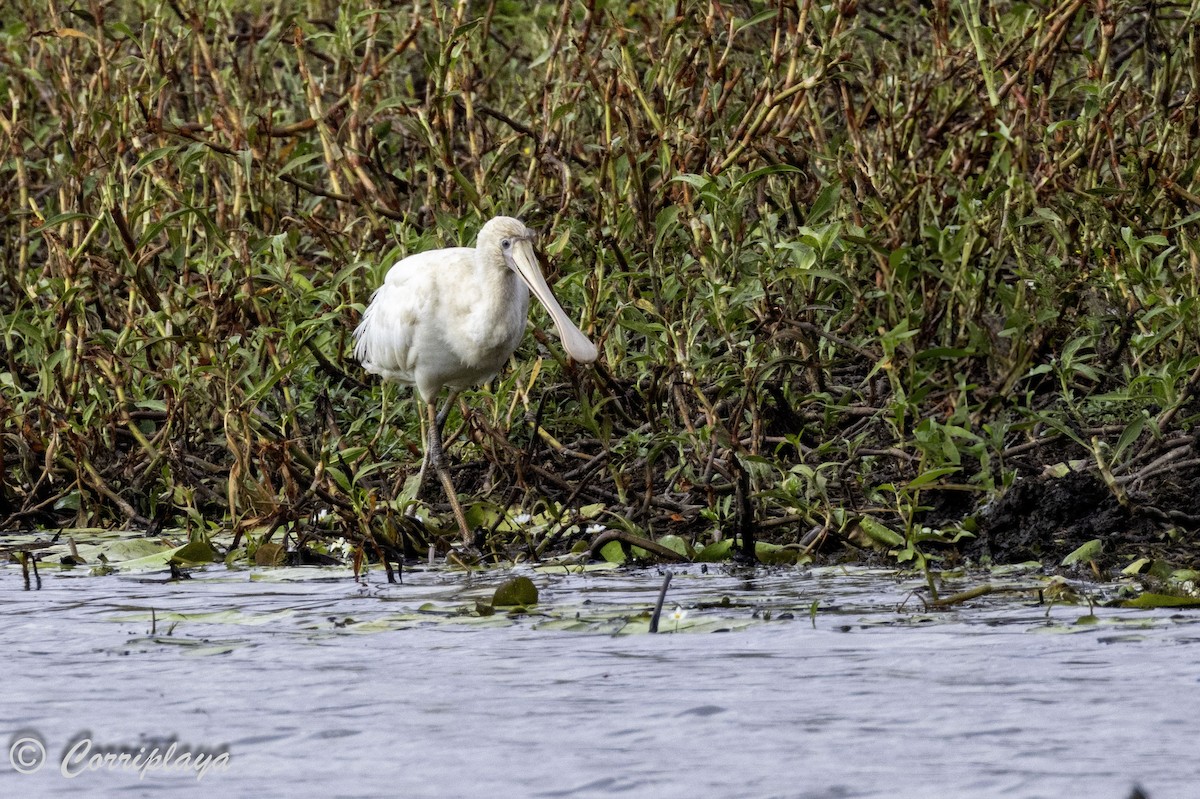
<point>507,243</point>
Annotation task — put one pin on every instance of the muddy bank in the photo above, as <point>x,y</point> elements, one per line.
<point>1045,518</point>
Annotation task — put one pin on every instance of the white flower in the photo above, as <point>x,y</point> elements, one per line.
<point>678,615</point>
<point>593,529</point>
<point>522,518</point>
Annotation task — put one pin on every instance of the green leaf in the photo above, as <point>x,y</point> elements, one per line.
<point>880,533</point>
<point>931,476</point>
<point>943,352</point>
<point>270,554</point>
<point>699,181</point>
<point>675,544</point>
<point>1130,434</point>
<point>1149,600</point>
<point>714,553</point>
<point>158,557</point>
<point>1136,567</point>
<point>613,552</point>
<point>69,501</point>
<point>59,219</point>
<point>1086,553</point>
<point>517,591</point>
<point>194,553</point>
<point>774,554</point>
<point>773,169</point>
<point>824,203</point>
<point>762,16</point>
<point>156,154</point>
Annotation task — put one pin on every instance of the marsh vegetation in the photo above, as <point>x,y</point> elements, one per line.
<point>916,278</point>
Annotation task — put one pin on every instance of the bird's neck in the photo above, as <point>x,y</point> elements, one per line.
<point>497,285</point>
<point>498,307</point>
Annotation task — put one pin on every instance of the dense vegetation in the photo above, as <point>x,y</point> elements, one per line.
<point>857,271</point>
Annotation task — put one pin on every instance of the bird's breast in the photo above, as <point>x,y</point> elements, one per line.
<point>487,336</point>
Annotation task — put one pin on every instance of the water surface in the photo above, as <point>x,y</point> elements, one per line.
<point>320,686</point>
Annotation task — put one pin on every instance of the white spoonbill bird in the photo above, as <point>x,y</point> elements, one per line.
<point>451,318</point>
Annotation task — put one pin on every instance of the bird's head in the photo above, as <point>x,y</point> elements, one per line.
<point>514,242</point>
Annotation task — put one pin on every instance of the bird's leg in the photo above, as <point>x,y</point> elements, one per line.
<point>444,413</point>
<point>438,456</point>
<point>440,423</point>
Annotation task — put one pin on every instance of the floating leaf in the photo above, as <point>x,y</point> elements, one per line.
<point>270,554</point>
<point>1149,600</point>
<point>194,553</point>
<point>517,591</point>
<point>134,555</point>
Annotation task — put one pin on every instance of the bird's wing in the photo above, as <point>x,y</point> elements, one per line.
<point>386,338</point>
<point>383,339</point>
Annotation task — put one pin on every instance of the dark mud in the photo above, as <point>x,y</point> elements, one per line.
<point>1045,518</point>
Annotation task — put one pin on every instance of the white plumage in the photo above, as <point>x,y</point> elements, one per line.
<point>451,318</point>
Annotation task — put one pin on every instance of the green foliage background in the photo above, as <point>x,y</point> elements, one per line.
<point>840,259</point>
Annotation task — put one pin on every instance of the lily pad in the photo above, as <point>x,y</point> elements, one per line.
<point>270,554</point>
<point>194,553</point>
<point>157,558</point>
<point>517,591</point>
<point>303,574</point>
<point>233,616</point>
<point>1149,600</point>
<point>568,567</point>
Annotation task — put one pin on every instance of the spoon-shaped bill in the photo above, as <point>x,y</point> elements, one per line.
<point>577,345</point>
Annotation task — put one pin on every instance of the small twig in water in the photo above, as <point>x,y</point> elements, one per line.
<point>29,561</point>
<point>962,596</point>
<point>662,596</point>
